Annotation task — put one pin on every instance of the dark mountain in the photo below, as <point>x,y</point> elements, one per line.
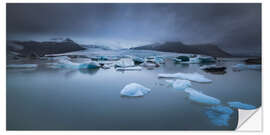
<point>179,47</point>
<point>38,49</point>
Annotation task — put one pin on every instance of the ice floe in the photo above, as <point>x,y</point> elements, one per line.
<point>129,68</point>
<point>239,67</point>
<point>196,77</point>
<point>219,115</point>
<point>179,84</point>
<point>22,65</point>
<point>134,89</point>
<point>240,105</point>
<point>125,62</point>
<point>201,98</point>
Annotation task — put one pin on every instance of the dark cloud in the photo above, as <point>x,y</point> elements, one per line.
<point>228,25</point>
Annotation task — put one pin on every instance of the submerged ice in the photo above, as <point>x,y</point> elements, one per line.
<point>199,97</point>
<point>240,105</point>
<point>196,77</point>
<point>219,115</point>
<point>134,89</point>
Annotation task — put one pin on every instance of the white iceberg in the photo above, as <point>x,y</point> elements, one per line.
<point>126,62</point>
<point>196,77</point>
<point>22,65</point>
<point>219,115</point>
<point>201,98</point>
<point>240,105</point>
<point>129,68</point>
<point>179,84</point>
<point>134,89</point>
<point>239,67</point>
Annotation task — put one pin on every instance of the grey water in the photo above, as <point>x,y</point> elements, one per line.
<point>80,99</point>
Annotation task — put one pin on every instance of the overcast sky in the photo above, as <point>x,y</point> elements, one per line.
<point>235,26</point>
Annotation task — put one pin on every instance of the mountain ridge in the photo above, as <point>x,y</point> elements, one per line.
<point>179,47</point>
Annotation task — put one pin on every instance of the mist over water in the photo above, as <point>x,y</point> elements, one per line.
<point>230,26</point>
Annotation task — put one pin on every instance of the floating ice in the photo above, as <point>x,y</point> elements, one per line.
<point>138,60</point>
<point>240,105</point>
<point>64,63</point>
<point>239,67</point>
<point>179,84</point>
<point>134,89</point>
<point>194,60</point>
<point>126,62</point>
<point>129,68</point>
<point>159,60</point>
<point>201,98</point>
<point>219,115</point>
<point>196,77</point>
<point>22,66</point>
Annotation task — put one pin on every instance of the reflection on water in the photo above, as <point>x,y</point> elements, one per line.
<point>66,99</point>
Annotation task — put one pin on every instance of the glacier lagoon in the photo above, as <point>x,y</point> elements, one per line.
<point>45,98</point>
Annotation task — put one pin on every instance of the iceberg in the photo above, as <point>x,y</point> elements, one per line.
<point>134,89</point>
<point>64,63</point>
<point>219,115</point>
<point>159,60</point>
<point>138,60</point>
<point>22,65</point>
<point>196,77</point>
<point>129,68</point>
<point>239,67</point>
<point>194,60</point>
<point>199,97</point>
<point>179,84</point>
<point>240,105</point>
<point>126,62</point>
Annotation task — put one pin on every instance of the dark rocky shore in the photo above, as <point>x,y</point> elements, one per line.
<point>33,49</point>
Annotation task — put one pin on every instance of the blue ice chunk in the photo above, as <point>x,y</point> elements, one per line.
<point>240,105</point>
<point>199,97</point>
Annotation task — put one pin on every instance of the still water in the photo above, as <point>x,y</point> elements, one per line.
<point>66,99</point>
